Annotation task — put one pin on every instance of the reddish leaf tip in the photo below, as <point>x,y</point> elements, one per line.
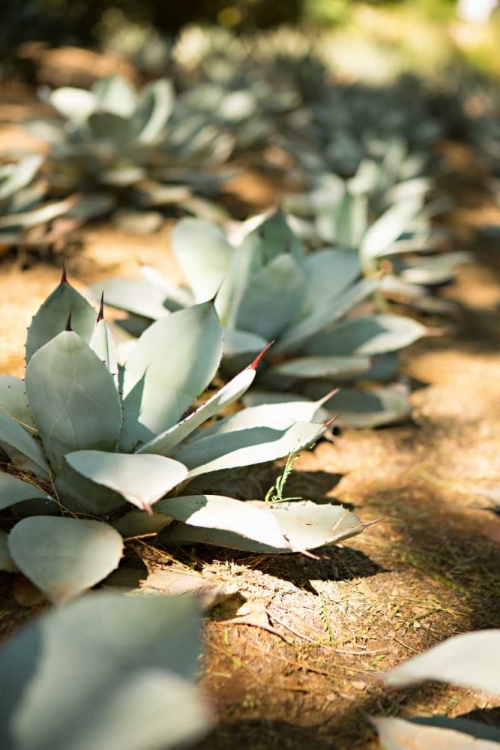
<point>366,524</point>
<point>256,362</point>
<point>147,508</point>
<point>68,322</point>
<point>327,396</point>
<point>329,422</point>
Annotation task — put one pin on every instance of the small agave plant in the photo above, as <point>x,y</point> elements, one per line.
<point>268,289</point>
<point>337,211</point>
<point>137,146</point>
<point>26,214</point>
<point>87,438</point>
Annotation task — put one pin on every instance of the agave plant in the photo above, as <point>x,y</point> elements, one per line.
<point>401,242</point>
<point>268,289</point>
<point>470,660</point>
<point>26,215</point>
<point>108,671</point>
<point>88,438</point>
<point>137,145</point>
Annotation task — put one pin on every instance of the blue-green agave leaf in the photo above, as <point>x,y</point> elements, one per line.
<point>140,479</point>
<point>97,680</point>
<point>339,368</point>
<point>73,398</point>
<point>171,364</point>
<point>386,230</point>
<point>204,255</point>
<point>115,94</point>
<point>302,525</point>
<point>103,344</point>
<point>14,401</point>
<point>272,298</point>
<point>324,316</point>
<point>227,395</point>
<point>365,409</point>
<point>7,565</point>
<point>20,176</point>
<point>136,296</point>
<point>155,105</point>
<point>24,452</point>
<point>52,317</point>
<point>246,447</point>
<point>329,273</point>
<point>14,490</point>
<point>436,733</point>
<point>469,660</point>
<point>64,557</point>
<point>367,336</point>
<point>227,514</point>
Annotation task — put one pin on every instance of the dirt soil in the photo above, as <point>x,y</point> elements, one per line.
<point>308,674</point>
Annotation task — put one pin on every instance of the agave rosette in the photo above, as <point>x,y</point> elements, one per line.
<point>268,289</point>
<point>87,437</point>
<point>140,147</point>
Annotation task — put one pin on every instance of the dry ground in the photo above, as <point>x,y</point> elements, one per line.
<point>428,570</point>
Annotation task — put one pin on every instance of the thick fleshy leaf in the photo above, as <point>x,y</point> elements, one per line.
<point>231,392</point>
<point>337,367</point>
<point>386,230</point>
<point>115,94</point>
<point>37,216</point>
<point>365,409</point>
<point>104,677</point>
<point>329,273</point>
<point>367,336</point>
<point>303,525</point>
<point>14,490</point>
<point>277,416</point>
<point>7,565</point>
<point>227,514</point>
<point>272,298</point>
<point>133,295</point>
<point>273,238</point>
<point>79,495</point>
<point>73,398</point>
<point>171,364</point>
<point>140,479</point>
<point>64,556</point>
<point>154,108</point>
<point>435,271</point>
<point>73,103</point>
<point>103,344</point>
<point>14,401</point>
<point>238,343</point>
<point>469,660</point>
<point>436,734</point>
<point>324,315</point>
<point>204,255</point>
<point>23,450</point>
<point>246,447</point>
<point>52,317</point>
<point>20,176</point>
<point>180,295</point>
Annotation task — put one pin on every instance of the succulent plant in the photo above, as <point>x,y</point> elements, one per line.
<point>27,216</point>
<point>469,660</point>
<point>138,147</point>
<point>109,670</point>
<point>86,437</point>
<point>400,242</point>
<point>267,289</point>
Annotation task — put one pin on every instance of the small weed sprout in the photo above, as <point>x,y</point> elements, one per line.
<point>275,492</point>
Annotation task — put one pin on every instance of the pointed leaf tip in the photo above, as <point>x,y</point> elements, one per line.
<point>256,362</point>
<point>327,397</point>
<point>100,315</point>
<point>64,274</point>
<point>68,322</point>
<point>329,422</point>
